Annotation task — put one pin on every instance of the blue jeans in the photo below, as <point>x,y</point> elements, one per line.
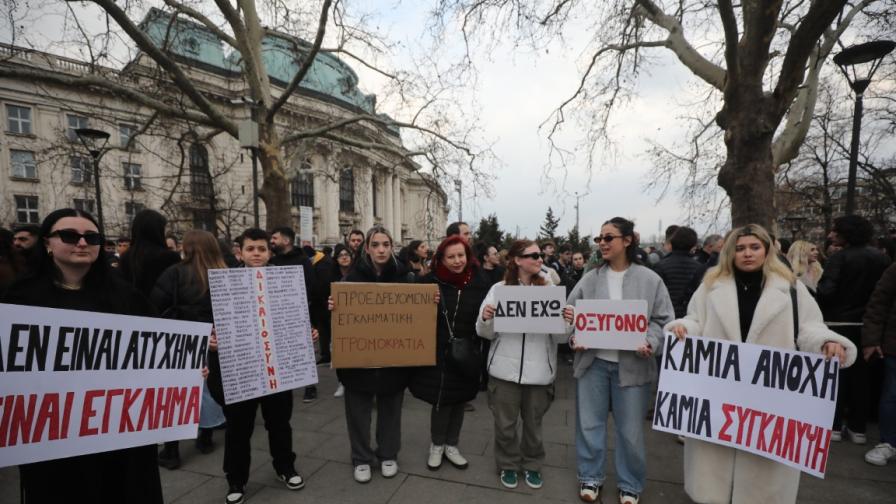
<point>594,391</point>
<point>887,411</point>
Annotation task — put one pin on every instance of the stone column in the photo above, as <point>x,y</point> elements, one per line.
<point>396,207</point>
<point>365,186</point>
<point>387,202</point>
<point>330,212</point>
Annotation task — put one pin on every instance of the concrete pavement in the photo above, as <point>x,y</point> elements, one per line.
<point>322,446</point>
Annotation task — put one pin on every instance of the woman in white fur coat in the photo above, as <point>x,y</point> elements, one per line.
<point>747,298</point>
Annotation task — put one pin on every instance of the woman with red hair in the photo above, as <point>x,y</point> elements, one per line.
<point>454,380</point>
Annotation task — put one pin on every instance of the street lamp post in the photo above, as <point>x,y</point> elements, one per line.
<point>858,63</point>
<point>94,141</point>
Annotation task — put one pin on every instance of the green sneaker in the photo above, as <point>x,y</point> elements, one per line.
<point>509,478</point>
<point>533,479</point>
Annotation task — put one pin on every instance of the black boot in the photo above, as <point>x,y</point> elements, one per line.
<point>204,442</point>
<point>169,457</point>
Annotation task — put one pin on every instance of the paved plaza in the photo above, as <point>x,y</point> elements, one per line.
<point>322,446</point>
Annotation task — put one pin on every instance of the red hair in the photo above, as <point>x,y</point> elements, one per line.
<point>454,240</point>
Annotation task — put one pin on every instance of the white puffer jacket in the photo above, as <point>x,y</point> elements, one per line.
<point>524,358</point>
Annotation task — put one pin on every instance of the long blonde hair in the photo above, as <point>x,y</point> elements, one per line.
<point>772,265</point>
<point>202,253</point>
<point>798,255</point>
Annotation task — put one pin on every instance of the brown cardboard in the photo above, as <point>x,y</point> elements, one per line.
<point>383,325</point>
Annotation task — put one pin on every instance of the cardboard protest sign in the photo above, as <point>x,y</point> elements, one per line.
<point>264,330</point>
<point>611,324</point>
<point>528,309</point>
<point>74,382</point>
<point>771,402</point>
<point>383,325</point>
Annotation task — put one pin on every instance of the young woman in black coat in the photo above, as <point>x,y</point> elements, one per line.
<point>148,255</point>
<point>375,263</point>
<point>449,385</point>
<point>67,275</point>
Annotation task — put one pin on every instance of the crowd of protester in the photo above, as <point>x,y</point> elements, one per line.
<point>843,294</point>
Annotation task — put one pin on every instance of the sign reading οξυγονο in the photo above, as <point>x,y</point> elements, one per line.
<point>611,324</point>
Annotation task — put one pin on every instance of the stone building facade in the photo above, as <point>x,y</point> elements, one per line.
<point>197,177</point>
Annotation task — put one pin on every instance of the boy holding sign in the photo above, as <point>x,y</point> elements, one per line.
<point>619,363</point>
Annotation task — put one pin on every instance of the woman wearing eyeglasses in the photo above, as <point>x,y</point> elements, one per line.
<point>522,368</point>
<point>618,376</point>
<point>66,274</point>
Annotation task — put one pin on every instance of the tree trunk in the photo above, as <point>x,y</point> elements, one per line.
<point>748,173</point>
<point>274,191</point>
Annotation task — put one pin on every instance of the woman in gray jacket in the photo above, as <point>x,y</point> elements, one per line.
<point>624,376</point>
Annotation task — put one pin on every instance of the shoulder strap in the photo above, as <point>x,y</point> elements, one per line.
<point>796,317</point>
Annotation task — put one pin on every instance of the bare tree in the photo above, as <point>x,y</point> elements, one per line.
<point>759,61</point>
<point>173,91</point>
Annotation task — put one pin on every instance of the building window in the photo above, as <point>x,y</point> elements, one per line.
<point>82,171</point>
<point>26,210</point>
<point>18,119</point>
<point>85,205</point>
<point>132,177</point>
<point>23,164</point>
<point>346,190</point>
<point>125,133</point>
<point>301,187</point>
<point>373,186</point>
<point>131,209</point>
<point>75,122</point>
<point>205,220</point>
<point>200,179</point>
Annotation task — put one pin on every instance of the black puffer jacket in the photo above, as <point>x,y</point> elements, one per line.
<point>378,380</point>
<point>440,384</point>
<point>179,293</point>
<point>148,268</point>
<point>677,270</point>
<point>849,278</point>
<point>879,327</point>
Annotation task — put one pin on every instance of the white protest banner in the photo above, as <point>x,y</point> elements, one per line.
<point>528,309</point>
<point>775,403</point>
<point>263,329</point>
<point>611,324</point>
<point>306,224</point>
<point>75,382</point>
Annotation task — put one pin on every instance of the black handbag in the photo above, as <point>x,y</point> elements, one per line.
<point>462,355</point>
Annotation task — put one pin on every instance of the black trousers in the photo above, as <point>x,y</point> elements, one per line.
<point>445,424</point>
<point>276,410</point>
<point>853,389</point>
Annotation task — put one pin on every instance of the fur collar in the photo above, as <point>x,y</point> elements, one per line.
<point>775,298</point>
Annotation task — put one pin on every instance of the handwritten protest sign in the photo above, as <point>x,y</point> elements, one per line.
<point>522,309</point>
<point>264,331</point>
<point>611,324</point>
<point>383,325</point>
<point>74,382</point>
<point>775,403</point>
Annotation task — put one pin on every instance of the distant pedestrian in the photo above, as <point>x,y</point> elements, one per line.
<point>678,268</point>
<point>803,258</point>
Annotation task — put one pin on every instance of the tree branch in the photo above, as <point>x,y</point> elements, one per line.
<point>306,63</point>
<point>198,16</point>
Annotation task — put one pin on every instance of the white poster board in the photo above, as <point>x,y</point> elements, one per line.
<point>529,309</point>
<point>306,225</point>
<point>611,324</point>
<point>263,329</point>
<point>775,403</point>
<point>75,382</point>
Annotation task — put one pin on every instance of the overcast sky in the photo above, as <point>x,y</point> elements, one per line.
<point>516,91</point>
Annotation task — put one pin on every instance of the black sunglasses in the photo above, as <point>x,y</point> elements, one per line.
<point>607,238</point>
<point>72,237</point>
<point>534,256</point>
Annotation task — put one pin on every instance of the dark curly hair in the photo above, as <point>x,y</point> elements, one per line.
<point>854,230</point>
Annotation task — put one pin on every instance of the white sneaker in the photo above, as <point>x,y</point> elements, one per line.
<point>340,391</point>
<point>856,437</point>
<point>362,473</point>
<point>837,435</point>
<point>881,454</point>
<point>389,468</point>
<point>453,455</point>
<point>435,457</point>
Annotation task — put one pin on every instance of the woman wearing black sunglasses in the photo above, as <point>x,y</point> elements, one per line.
<point>624,376</point>
<point>68,275</point>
